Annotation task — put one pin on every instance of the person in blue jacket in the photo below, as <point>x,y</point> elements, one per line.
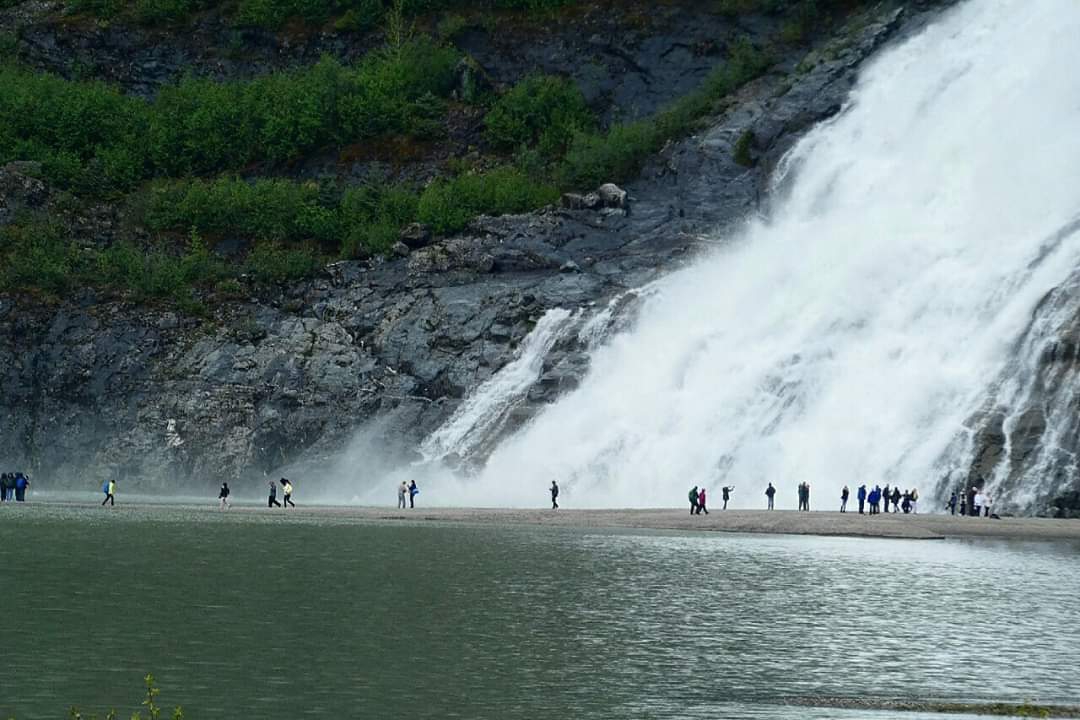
<point>21,483</point>
<point>413,492</point>
<point>862,498</point>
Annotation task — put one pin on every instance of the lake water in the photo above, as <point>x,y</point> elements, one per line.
<point>247,614</point>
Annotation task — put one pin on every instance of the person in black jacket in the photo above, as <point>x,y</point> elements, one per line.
<point>223,495</point>
<point>554,495</point>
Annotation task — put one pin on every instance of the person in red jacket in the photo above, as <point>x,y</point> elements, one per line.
<point>701,502</point>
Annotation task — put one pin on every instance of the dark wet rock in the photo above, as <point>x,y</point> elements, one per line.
<point>416,236</point>
<point>611,195</point>
<point>20,190</point>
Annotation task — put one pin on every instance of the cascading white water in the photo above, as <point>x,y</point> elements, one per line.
<point>484,411</point>
<point>848,338</point>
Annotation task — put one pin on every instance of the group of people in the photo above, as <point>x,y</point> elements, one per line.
<point>877,498</point>
<point>697,499</point>
<point>286,493</point>
<point>407,488</point>
<point>13,487</point>
<point>974,502</point>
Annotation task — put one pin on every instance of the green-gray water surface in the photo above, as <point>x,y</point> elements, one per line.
<point>259,614</point>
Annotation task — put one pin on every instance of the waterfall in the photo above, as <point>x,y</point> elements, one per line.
<point>851,336</point>
<point>484,412</point>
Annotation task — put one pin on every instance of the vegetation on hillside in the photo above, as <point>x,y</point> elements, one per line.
<point>205,160</point>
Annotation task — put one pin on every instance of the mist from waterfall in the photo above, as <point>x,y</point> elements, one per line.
<point>849,337</point>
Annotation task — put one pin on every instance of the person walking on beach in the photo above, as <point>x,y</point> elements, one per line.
<point>413,492</point>
<point>223,495</point>
<point>769,493</point>
<point>7,487</point>
<point>725,494</point>
<point>554,495</point>
<point>272,500</point>
<point>286,491</point>
<point>952,503</point>
<point>110,494</point>
<point>402,489</point>
<point>22,484</point>
<point>693,497</point>
<point>843,499</point>
<point>701,502</point>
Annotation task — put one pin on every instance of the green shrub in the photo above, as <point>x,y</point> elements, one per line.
<point>36,256</point>
<point>273,263</point>
<point>373,217</point>
<point>150,12</point>
<point>618,155</point>
<point>65,125</point>
<point>363,15</point>
<point>741,152</point>
<point>277,210</point>
<point>448,205</point>
<point>90,137</point>
<point>541,111</point>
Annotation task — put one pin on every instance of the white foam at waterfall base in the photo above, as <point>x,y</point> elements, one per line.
<point>849,337</point>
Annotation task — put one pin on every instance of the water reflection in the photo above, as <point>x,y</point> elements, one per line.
<point>280,617</point>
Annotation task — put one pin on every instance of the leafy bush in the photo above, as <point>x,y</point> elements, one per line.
<point>90,137</point>
<point>741,152</point>
<point>373,218</point>
<point>37,256</point>
<point>275,263</point>
<point>540,111</point>
<point>618,154</point>
<point>448,205</point>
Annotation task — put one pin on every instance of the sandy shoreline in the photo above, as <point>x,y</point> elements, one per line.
<point>778,522</point>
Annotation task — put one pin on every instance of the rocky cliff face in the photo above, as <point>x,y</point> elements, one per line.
<point>1025,443</point>
<point>94,387</point>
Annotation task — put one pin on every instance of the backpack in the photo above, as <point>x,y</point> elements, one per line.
<point>105,487</point>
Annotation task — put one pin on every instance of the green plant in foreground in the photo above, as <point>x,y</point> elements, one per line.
<point>149,703</point>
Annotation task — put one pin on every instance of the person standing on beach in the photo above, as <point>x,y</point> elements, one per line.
<point>915,500</point>
<point>413,492</point>
<point>223,495</point>
<point>693,497</point>
<point>971,506</point>
<point>554,495</point>
<point>725,494</point>
<point>987,502</point>
<point>402,489</point>
<point>286,490</point>
<point>701,502</point>
<point>952,503</point>
<point>886,497</point>
<point>110,494</point>
<point>272,500</point>
<point>843,499</point>
<point>769,493</point>
<point>862,498</point>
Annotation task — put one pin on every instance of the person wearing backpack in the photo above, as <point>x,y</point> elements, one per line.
<point>110,493</point>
